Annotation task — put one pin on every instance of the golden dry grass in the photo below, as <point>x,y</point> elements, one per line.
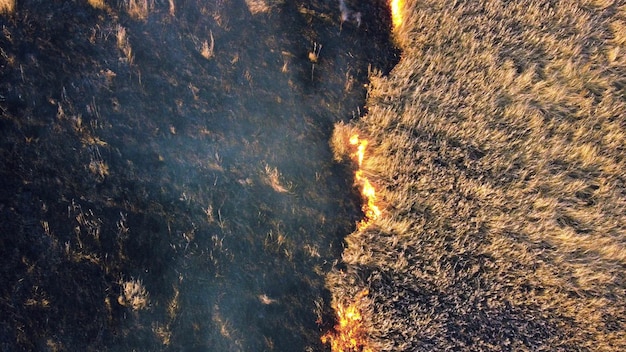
<point>97,4</point>
<point>123,44</point>
<point>138,9</point>
<point>7,6</point>
<point>133,295</point>
<point>273,178</point>
<point>172,7</point>
<point>207,49</point>
<point>497,146</point>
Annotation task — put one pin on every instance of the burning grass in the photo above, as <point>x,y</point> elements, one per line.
<point>349,334</point>
<point>397,8</point>
<point>499,155</point>
<point>347,143</point>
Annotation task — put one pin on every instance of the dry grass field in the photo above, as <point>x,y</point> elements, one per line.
<point>496,147</point>
<point>7,6</point>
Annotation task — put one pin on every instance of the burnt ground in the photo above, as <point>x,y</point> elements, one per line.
<point>157,196</point>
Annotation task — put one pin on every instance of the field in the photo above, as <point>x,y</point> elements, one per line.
<point>497,150</point>
<point>166,181</point>
<point>265,175</point>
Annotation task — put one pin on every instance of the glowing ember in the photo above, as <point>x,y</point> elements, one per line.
<point>349,334</point>
<point>396,12</point>
<point>371,210</point>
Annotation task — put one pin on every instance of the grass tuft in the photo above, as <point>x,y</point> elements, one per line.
<point>133,295</point>
<point>97,4</point>
<point>138,9</point>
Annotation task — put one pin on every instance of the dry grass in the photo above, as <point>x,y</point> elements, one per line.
<point>7,6</point>
<point>97,4</point>
<point>497,144</point>
<point>207,48</point>
<point>172,7</point>
<point>262,6</point>
<point>138,9</point>
<point>272,178</point>
<point>123,44</point>
<point>257,6</point>
<point>133,295</point>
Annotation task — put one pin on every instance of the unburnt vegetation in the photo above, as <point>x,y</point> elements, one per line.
<point>496,147</point>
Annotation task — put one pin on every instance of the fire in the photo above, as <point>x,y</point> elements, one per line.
<point>360,150</point>
<point>371,210</point>
<point>396,12</point>
<point>349,333</point>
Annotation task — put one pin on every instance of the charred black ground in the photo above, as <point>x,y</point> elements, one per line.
<point>166,180</point>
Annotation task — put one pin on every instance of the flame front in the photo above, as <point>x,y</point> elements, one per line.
<point>396,12</point>
<point>349,333</point>
<point>371,210</point>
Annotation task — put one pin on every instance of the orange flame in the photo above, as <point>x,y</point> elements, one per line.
<point>349,334</point>
<point>371,210</point>
<point>396,12</point>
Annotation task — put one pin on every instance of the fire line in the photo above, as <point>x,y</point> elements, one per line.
<point>370,209</point>
<point>349,334</point>
<point>396,12</point>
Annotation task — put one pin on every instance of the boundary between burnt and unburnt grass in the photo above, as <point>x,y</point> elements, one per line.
<point>497,148</point>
